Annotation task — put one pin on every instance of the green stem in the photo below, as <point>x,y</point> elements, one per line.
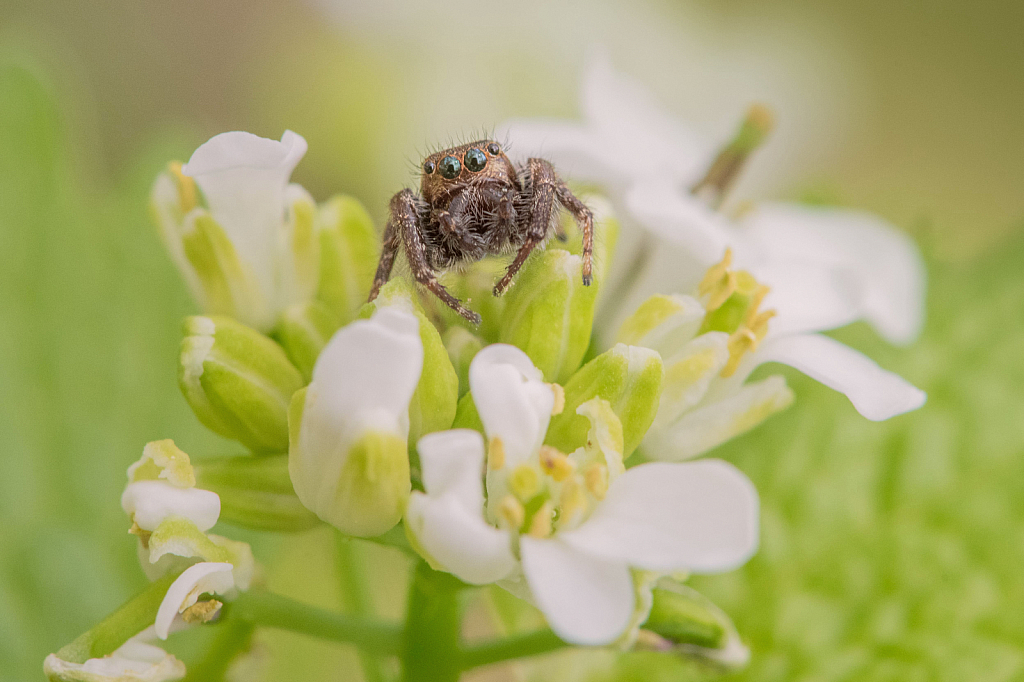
<point>356,598</point>
<point>234,637</point>
<point>432,627</point>
<point>275,611</point>
<point>134,616</point>
<point>516,646</point>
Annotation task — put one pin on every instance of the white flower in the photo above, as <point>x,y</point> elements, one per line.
<point>348,458</point>
<point>182,598</point>
<point>709,350</point>
<point>134,661</point>
<point>826,267</point>
<point>574,525</point>
<point>253,250</point>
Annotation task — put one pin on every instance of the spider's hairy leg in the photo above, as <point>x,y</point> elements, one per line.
<point>542,203</point>
<point>403,210</point>
<point>585,219</point>
<point>392,239</point>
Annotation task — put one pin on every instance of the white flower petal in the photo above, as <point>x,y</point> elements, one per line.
<point>363,380</point>
<point>885,263</point>
<point>807,297</point>
<point>153,501</point>
<point>205,577</point>
<point>645,140</point>
<point>458,539</point>
<point>586,600</point>
<point>134,661</point>
<point>698,516</point>
<point>243,178</point>
<point>512,400</point>
<point>452,463</point>
<point>727,410</point>
<point>681,219</point>
<point>573,149</point>
<point>877,394</point>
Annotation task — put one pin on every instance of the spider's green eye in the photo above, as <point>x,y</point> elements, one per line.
<point>428,167</point>
<point>475,160</point>
<point>450,167</point>
<point>493,149</point>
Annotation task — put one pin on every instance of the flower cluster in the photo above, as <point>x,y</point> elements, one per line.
<point>523,452</point>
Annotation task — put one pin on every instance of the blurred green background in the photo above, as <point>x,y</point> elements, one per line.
<point>891,551</point>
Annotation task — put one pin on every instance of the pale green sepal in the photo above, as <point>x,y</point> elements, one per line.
<point>663,322</point>
<point>228,287</point>
<point>373,486</point>
<point>350,249</point>
<point>433,405</point>
<point>256,492</point>
<point>629,378</point>
<point>177,541</point>
<point>475,288</point>
<point>162,459</point>
<point>238,382</point>
<point>462,345</point>
<point>303,331</point>
<point>300,274</point>
<point>549,313</point>
<point>467,417</point>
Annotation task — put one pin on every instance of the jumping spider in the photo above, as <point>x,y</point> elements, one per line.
<point>474,202</point>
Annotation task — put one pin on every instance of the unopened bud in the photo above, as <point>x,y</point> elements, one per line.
<point>238,382</point>
<point>688,623</point>
<point>350,249</point>
<point>303,331</point>
<point>629,378</point>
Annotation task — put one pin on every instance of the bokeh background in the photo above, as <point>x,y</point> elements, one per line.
<point>891,551</point>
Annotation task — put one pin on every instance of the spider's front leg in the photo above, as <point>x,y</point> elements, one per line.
<point>392,239</point>
<point>547,188</point>
<point>406,220</point>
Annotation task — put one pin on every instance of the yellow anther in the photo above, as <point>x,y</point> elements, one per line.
<point>524,482</point>
<point>742,341</point>
<point>144,535</point>
<point>496,454</point>
<point>201,611</point>
<point>559,399</point>
<point>596,478</point>
<point>540,524</point>
<point>555,463</point>
<point>511,513</point>
<point>186,187</point>
<point>719,282</point>
<point>572,501</point>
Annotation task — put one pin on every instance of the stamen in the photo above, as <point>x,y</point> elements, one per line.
<point>540,524</point>
<point>201,611</point>
<point>559,399</point>
<point>555,463</point>
<point>496,454</point>
<point>186,187</point>
<point>596,477</point>
<point>719,282</point>
<point>143,535</point>
<point>572,501</point>
<point>715,184</point>
<point>524,482</point>
<point>511,513</point>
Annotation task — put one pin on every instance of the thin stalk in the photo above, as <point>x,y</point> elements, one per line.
<point>506,648</point>
<point>275,611</point>
<point>234,637</point>
<point>134,616</point>
<point>356,598</point>
<point>432,627</point>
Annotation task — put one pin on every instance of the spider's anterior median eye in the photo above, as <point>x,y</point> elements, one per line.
<point>475,160</point>
<point>493,149</point>
<point>450,167</point>
<point>428,167</point>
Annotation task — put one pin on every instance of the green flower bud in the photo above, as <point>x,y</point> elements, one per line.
<point>255,492</point>
<point>238,382</point>
<point>436,398</point>
<point>462,346</point>
<point>629,378</point>
<point>303,331</point>
<point>683,620</point>
<point>350,248</point>
<point>549,313</point>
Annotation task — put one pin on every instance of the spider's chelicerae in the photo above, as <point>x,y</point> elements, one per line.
<point>475,202</point>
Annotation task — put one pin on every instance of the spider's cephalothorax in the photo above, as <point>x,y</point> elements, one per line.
<point>474,202</point>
